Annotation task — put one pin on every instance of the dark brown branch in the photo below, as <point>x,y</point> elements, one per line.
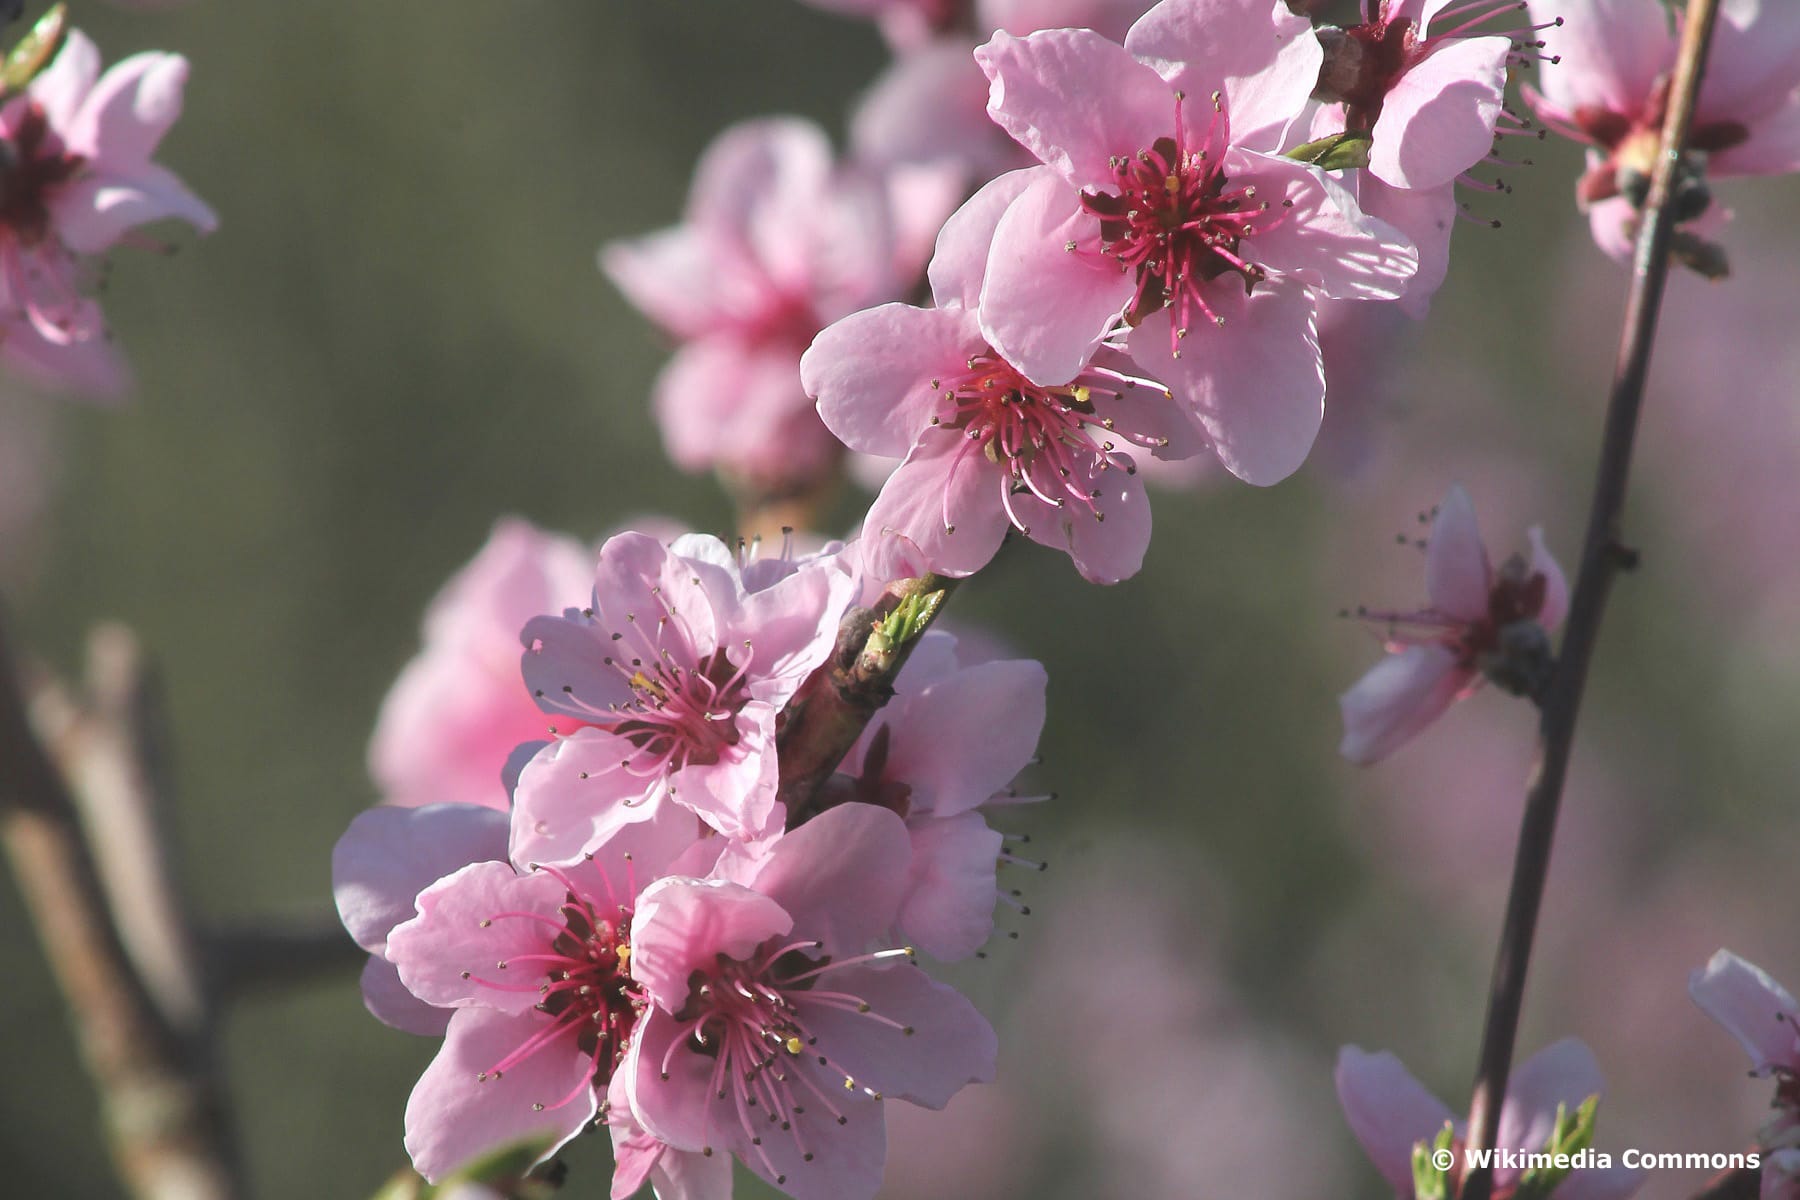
<point>159,1095</point>
<point>1601,558</point>
<point>280,953</point>
<point>839,700</point>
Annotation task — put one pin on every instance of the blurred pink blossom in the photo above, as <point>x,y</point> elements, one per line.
<point>776,243</point>
<point>79,181</point>
<point>1476,616</point>
<point>452,719</point>
<point>1611,89</point>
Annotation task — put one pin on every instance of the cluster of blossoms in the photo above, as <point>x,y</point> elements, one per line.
<point>77,179</point>
<point>632,918</point>
<point>610,880</point>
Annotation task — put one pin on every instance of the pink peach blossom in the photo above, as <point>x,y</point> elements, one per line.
<point>776,243</point>
<point>987,448</point>
<point>1612,86</point>
<point>1183,136</point>
<point>1390,1112</point>
<point>1437,655</point>
<point>458,709</point>
<point>80,180</point>
<point>1762,1015</point>
<point>678,669</point>
<point>953,739</point>
<point>772,1032</point>
<point>532,968</point>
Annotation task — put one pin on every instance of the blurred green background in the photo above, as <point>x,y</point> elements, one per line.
<point>399,334</point>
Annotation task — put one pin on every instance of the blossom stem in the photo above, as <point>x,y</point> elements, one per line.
<point>1603,556</point>
<point>837,703</point>
<point>141,1018</point>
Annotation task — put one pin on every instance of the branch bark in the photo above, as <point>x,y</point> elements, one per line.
<point>1603,555</point>
<point>146,1045</point>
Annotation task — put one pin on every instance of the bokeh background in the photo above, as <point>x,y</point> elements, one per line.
<point>399,334</point>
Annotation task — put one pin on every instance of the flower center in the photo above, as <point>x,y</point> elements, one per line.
<point>750,1017</point>
<point>1176,222</point>
<point>585,991</point>
<point>1046,440</point>
<point>32,164</point>
<point>684,715</point>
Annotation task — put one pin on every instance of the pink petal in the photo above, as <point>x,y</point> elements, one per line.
<point>1614,224</point>
<point>1104,551</point>
<point>960,740</point>
<point>1611,50</point>
<point>1773,147</point>
<point>948,910</point>
<point>124,118</point>
<point>65,83</point>
<point>951,1045</point>
<point>670,276</point>
<point>960,262</point>
<point>452,1118</point>
<point>736,794</point>
<point>872,372</point>
<point>456,934</point>
<point>841,876</point>
<point>638,1157</point>
<point>1260,54</point>
<point>1388,1110</point>
<point>928,106</point>
<point>94,212</point>
<point>940,481</point>
<point>575,794</point>
<point>1754,66</point>
<point>1457,576</point>
<point>1752,1007</point>
<point>1045,307</point>
<point>389,855</point>
<point>93,369</point>
<point>753,179</point>
<point>1438,119</point>
<point>1398,697</point>
<point>1043,92</point>
<point>1426,218</point>
<point>1564,1073</point>
<point>1556,588</point>
<point>1256,384</point>
<point>389,1002</point>
<point>565,669</point>
<point>1317,233</point>
<point>792,627</point>
<point>682,925</point>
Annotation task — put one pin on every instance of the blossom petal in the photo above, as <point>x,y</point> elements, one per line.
<point>389,855</point>
<point>960,740</point>
<point>1262,56</point>
<point>1319,234</point>
<point>1565,1073</point>
<point>62,86</point>
<point>1438,119</point>
<point>1457,575</point>
<point>948,911</point>
<point>840,876</point>
<point>389,1002</point>
<point>457,937</point>
<point>1075,100</point>
<point>1556,587</point>
<point>872,372</point>
<point>1752,1007</point>
<point>123,120</point>
<point>959,263</point>
<point>452,1117</point>
<point>1106,545</point>
<point>1398,697</point>
<point>945,499</point>
<point>94,212</point>
<point>1388,1110</point>
<point>1611,51</point>
<point>681,925</point>
<point>944,1043</point>
<point>1045,306</point>
<point>1255,384</point>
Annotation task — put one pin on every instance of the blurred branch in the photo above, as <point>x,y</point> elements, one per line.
<point>1603,555</point>
<point>146,1044</point>
<point>276,954</point>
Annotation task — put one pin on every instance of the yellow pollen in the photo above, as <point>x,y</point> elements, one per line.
<point>1172,183</point>
<point>793,1046</point>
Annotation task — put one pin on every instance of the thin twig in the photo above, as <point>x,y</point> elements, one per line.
<point>1603,554</point>
<point>280,953</point>
<point>161,1100</point>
